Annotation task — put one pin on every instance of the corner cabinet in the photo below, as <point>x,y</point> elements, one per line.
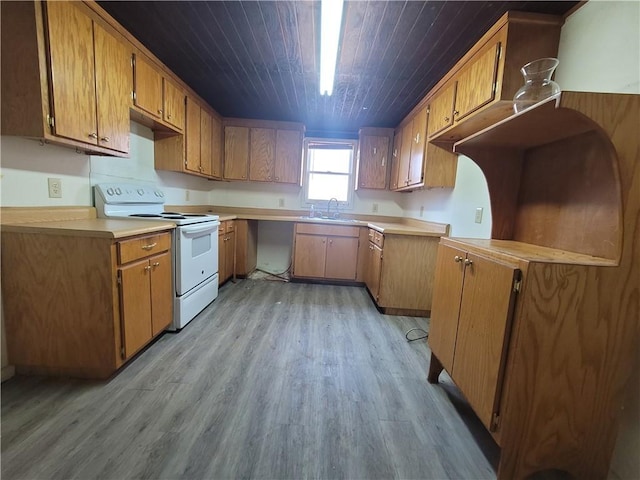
<point>66,77</point>
<point>90,307</point>
<point>325,251</point>
<point>538,325</point>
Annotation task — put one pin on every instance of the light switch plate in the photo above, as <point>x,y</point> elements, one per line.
<point>479,215</point>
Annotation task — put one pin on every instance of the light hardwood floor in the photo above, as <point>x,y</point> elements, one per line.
<point>273,380</point>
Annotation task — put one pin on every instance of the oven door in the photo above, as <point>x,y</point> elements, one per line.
<point>196,254</point>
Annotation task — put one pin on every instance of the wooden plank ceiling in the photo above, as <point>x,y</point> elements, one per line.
<point>260,59</point>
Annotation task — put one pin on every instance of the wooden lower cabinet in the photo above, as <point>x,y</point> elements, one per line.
<point>86,309</point>
<point>325,251</point>
<point>246,247</point>
<point>226,250</point>
<point>400,272</point>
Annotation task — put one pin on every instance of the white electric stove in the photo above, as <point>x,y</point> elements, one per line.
<point>195,243</point>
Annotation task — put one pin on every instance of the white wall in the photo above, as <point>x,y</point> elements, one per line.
<point>600,52</point>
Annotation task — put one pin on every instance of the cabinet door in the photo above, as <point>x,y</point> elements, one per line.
<point>484,326</point>
<point>445,308</point>
<point>135,306</point>
<point>375,270</point>
<point>230,254</point>
<point>395,161</point>
<point>192,136</point>
<point>310,255</point>
<point>262,154</point>
<point>161,293</point>
<point>236,152</point>
<point>148,87</point>
<point>114,79</point>
<point>216,147</point>
<point>405,155</point>
<point>477,83</point>
<point>342,258</point>
<point>418,147</point>
<point>173,111</point>
<point>288,156</point>
<point>205,141</point>
<point>441,110</point>
<point>374,153</point>
<point>72,72</point>
<point>222,259</point>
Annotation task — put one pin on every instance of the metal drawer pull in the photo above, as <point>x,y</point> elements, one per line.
<point>458,259</point>
<point>93,135</point>
<point>468,262</point>
<point>149,247</point>
<point>104,139</point>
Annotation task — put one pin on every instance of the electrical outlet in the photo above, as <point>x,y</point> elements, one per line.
<point>187,195</point>
<point>421,210</point>
<point>281,202</point>
<point>374,208</point>
<point>479,215</point>
<point>55,187</point>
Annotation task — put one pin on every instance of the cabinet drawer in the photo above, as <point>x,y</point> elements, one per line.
<point>230,226</point>
<point>337,230</point>
<point>140,247</point>
<point>376,237</point>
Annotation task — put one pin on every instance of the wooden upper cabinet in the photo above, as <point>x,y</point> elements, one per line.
<point>90,75</point>
<point>262,154</point>
<point>113,90</point>
<point>405,154</point>
<point>395,161</point>
<point>216,147</point>
<point>173,104</point>
<point>288,166</point>
<point>206,125</point>
<point>147,87</point>
<point>374,157</point>
<point>477,83</point>
<point>416,163</point>
<point>236,152</point>
<point>192,136</point>
<point>441,110</point>
<point>72,72</point>
<point>262,151</point>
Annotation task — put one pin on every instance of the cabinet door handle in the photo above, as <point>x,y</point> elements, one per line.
<point>93,135</point>
<point>375,151</point>
<point>105,139</point>
<point>456,113</point>
<point>384,160</point>
<point>468,262</point>
<point>418,137</point>
<point>330,242</point>
<point>169,116</point>
<point>147,268</point>
<point>458,259</point>
<point>159,112</point>
<point>156,264</point>
<point>149,247</point>
<point>446,119</point>
<point>395,152</point>
<point>277,179</point>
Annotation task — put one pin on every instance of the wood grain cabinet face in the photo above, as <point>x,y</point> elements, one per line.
<point>236,152</point>
<point>173,104</point>
<point>206,142</point>
<point>147,87</point>
<point>226,251</point>
<point>373,160</point>
<point>476,84</point>
<point>216,147</point>
<point>329,252</point>
<point>395,161</point>
<point>419,129</point>
<point>441,110</point>
<point>90,77</point>
<point>262,154</point>
<point>146,297</point>
<point>193,136</point>
<point>471,323</point>
<point>288,168</point>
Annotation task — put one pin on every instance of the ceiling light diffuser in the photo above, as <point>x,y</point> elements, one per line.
<point>330,26</point>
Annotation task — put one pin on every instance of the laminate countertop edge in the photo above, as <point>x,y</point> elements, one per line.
<point>95,227</point>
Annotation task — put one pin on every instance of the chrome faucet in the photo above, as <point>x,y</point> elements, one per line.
<point>335,215</point>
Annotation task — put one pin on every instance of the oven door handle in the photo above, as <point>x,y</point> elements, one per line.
<point>194,230</point>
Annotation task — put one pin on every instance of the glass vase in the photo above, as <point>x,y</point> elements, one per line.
<point>537,83</point>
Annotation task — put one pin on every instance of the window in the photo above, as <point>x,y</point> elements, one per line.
<point>329,171</point>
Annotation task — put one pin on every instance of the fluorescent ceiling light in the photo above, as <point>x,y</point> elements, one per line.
<point>330,23</point>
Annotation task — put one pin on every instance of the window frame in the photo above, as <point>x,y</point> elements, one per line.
<point>353,144</point>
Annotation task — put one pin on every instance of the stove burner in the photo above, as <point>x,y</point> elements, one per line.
<point>151,215</point>
<point>175,216</point>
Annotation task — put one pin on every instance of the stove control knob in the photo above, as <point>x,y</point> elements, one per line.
<point>109,191</point>
<point>140,192</point>
<point>118,191</point>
